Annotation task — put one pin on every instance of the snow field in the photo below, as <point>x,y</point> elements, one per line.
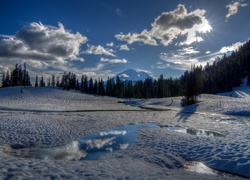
<point>157,153</point>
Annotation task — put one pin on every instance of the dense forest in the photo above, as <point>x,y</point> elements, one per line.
<point>225,73</point>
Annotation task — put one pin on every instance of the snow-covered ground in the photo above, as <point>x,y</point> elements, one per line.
<point>46,117</point>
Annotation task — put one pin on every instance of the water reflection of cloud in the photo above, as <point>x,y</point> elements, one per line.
<point>124,146</point>
<point>99,143</point>
<point>113,132</point>
<point>68,152</point>
<point>110,149</point>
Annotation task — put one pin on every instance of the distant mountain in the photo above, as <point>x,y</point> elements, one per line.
<point>133,75</point>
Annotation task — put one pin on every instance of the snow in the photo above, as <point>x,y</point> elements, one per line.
<point>132,75</point>
<point>47,117</point>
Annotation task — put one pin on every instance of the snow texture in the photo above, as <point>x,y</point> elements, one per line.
<point>47,117</point>
<point>132,75</point>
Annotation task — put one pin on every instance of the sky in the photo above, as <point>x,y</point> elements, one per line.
<point>102,38</point>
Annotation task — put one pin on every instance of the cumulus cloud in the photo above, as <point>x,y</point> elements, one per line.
<point>233,8</point>
<point>207,52</point>
<point>124,47</point>
<point>99,50</point>
<point>39,42</point>
<point>144,37</point>
<point>113,61</point>
<point>169,26</point>
<point>111,44</point>
<point>231,48</point>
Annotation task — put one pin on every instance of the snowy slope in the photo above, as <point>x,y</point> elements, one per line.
<point>242,91</point>
<point>132,75</point>
<point>53,99</point>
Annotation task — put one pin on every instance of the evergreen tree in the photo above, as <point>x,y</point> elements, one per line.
<point>3,80</point>
<point>77,85</point>
<point>14,77</point>
<point>95,88</point>
<point>42,83</point>
<point>82,84</point>
<point>129,89</point>
<point>148,88</point>
<point>49,83</point>
<point>91,86</point>
<point>191,89</point>
<point>160,85</point>
<point>85,84</point>
<point>57,81</point>
<point>101,89</point>
<point>53,82</point>
<point>36,83</point>
<point>119,88</point>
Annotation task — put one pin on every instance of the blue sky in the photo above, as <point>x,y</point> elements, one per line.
<point>102,38</point>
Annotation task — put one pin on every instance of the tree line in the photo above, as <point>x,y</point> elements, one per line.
<point>18,77</point>
<point>222,75</point>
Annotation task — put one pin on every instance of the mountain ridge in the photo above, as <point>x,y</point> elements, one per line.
<point>132,75</point>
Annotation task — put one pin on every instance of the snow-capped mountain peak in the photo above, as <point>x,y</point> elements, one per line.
<point>132,75</point>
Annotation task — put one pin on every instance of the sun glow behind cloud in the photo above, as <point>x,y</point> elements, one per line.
<point>169,26</point>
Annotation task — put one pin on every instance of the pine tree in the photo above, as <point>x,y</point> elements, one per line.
<point>160,86</point>
<point>91,86</point>
<point>77,85</point>
<point>49,83</point>
<point>85,84</point>
<point>42,83</point>
<point>82,84</point>
<point>191,89</point>
<point>119,88</point>
<point>36,83</point>
<point>20,75</point>
<point>14,77</point>
<point>95,89</point>
<point>53,82</point>
<point>3,80</point>
<point>130,90</point>
<point>101,89</point>
<point>58,81</point>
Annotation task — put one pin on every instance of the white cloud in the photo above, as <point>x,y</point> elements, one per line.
<point>233,8</point>
<point>176,61</point>
<point>180,59</point>
<point>111,44</point>
<point>187,51</point>
<point>42,47</point>
<point>99,50</point>
<point>114,61</point>
<point>169,26</point>
<point>124,47</point>
<point>144,37</point>
<point>42,43</point>
<point>113,132</point>
<point>231,48</point>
